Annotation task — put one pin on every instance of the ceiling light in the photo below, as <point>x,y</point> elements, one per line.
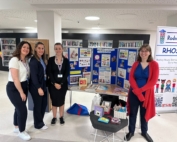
<point>92,18</point>
<point>35,20</point>
<point>96,28</point>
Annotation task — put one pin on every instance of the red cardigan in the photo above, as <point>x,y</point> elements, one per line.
<point>149,102</point>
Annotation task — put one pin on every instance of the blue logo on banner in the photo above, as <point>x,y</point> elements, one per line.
<point>162,36</point>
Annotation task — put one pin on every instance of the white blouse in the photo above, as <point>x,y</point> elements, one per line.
<point>23,69</point>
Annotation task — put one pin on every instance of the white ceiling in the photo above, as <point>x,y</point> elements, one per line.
<point>114,14</point>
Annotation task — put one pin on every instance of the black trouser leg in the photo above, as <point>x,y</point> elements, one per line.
<point>39,109</point>
<point>20,114</point>
<point>144,124</point>
<point>44,104</point>
<point>134,104</point>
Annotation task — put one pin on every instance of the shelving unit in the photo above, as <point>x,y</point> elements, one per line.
<point>71,43</point>
<point>130,43</point>
<point>8,46</point>
<point>100,43</point>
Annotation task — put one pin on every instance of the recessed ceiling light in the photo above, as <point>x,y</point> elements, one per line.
<point>92,18</point>
<point>29,28</point>
<point>35,20</point>
<point>96,28</point>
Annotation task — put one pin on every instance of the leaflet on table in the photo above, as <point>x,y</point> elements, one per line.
<point>121,91</point>
<point>104,75</point>
<point>91,87</point>
<point>85,52</point>
<point>87,75</point>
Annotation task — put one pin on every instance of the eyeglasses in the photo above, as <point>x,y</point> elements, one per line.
<point>144,51</point>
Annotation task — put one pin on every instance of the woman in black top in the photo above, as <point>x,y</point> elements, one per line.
<point>37,85</point>
<point>58,71</point>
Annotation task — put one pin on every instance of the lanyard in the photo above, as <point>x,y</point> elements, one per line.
<point>59,66</point>
<point>27,68</point>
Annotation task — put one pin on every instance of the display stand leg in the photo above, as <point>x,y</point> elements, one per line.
<point>70,97</point>
<point>157,114</point>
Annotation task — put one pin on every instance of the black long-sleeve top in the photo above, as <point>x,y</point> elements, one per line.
<point>53,71</point>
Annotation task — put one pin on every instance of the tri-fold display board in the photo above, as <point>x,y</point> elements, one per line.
<point>101,65</point>
<point>126,58</point>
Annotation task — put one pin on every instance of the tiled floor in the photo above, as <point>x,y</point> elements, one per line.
<point>162,128</point>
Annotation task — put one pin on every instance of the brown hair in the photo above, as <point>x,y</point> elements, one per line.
<point>61,47</point>
<point>35,53</point>
<point>148,48</point>
<point>17,52</point>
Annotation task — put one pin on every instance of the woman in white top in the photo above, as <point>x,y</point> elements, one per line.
<point>17,86</point>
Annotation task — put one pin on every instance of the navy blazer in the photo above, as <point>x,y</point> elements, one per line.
<point>36,80</point>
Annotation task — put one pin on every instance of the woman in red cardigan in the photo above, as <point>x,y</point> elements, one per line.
<point>143,76</point>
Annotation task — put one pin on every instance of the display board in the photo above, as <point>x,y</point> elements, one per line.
<point>126,58</point>
<point>104,65</point>
<point>166,56</point>
<point>80,64</point>
<point>100,44</point>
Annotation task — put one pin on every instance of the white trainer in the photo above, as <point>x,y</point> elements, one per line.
<point>24,135</point>
<point>16,130</point>
<point>44,127</point>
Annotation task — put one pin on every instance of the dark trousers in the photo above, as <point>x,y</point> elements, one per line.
<point>40,104</point>
<point>134,104</point>
<point>20,114</point>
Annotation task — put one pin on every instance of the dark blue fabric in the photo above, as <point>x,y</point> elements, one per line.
<point>36,80</point>
<point>75,108</point>
<point>134,105</point>
<point>141,75</point>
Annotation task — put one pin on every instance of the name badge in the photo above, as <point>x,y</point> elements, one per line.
<point>60,75</point>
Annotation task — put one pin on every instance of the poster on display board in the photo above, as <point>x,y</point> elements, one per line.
<point>107,58</point>
<point>80,64</point>
<point>126,58</point>
<point>166,56</point>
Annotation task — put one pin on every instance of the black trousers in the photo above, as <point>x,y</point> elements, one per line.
<point>134,104</point>
<point>40,104</point>
<point>20,114</point>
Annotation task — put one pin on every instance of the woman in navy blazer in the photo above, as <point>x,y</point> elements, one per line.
<point>37,85</point>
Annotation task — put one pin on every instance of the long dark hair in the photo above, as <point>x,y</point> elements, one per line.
<point>35,53</point>
<point>148,48</point>
<point>58,43</point>
<point>17,52</point>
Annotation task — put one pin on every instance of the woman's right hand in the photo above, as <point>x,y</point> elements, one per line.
<point>57,86</point>
<point>23,96</point>
<point>41,92</point>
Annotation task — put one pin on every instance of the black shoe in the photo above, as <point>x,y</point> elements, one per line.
<point>62,122</point>
<point>128,136</point>
<point>53,122</point>
<point>147,137</point>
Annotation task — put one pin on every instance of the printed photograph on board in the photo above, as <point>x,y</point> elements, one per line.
<point>121,73</point>
<point>74,79</point>
<point>85,52</point>
<point>73,54</point>
<point>123,54</point>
